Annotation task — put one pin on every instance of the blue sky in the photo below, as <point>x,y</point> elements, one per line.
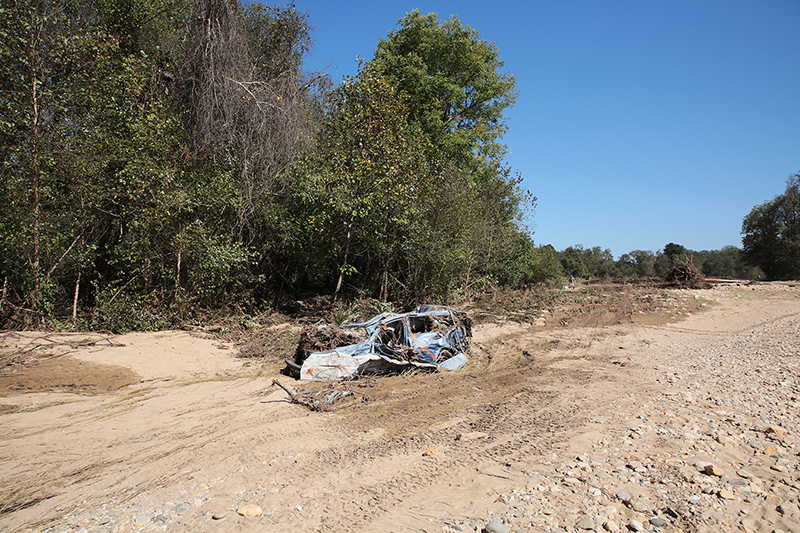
<point>638,123</point>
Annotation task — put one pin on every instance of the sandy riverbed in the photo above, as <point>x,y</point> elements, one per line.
<point>550,428</point>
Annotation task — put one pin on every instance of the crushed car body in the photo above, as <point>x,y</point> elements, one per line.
<point>430,337</point>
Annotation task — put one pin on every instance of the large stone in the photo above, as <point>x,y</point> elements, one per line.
<point>495,526</point>
<point>658,522</point>
<point>641,506</point>
<point>777,431</point>
<point>635,525</point>
<point>249,509</point>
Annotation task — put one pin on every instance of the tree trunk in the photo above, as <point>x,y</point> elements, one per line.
<point>32,58</point>
<point>344,260</point>
<point>75,298</point>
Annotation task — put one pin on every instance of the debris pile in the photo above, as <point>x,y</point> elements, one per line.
<point>324,399</point>
<point>430,337</point>
<point>684,275</point>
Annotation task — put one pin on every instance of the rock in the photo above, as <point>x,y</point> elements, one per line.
<point>744,473</point>
<point>495,526</point>
<point>675,512</point>
<point>472,435</point>
<point>182,508</point>
<point>623,496</point>
<point>610,526</point>
<point>779,468</point>
<point>635,525</point>
<point>787,509</point>
<point>725,494</point>
<point>219,515</point>
<point>641,506</point>
<point>658,522</point>
<point>142,519</point>
<point>429,452</point>
<point>738,482</point>
<point>249,509</point>
<point>771,450</point>
<point>713,470</point>
<point>776,430</point>
<point>586,523</point>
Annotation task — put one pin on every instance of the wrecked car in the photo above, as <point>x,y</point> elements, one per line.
<point>432,337</point>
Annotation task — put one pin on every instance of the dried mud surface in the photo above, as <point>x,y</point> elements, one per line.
<point>171,432</point>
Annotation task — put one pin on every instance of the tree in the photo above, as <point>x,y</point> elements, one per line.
<point>722,263</point>
<point>625,266</point>
<point>28,53</point>
<point>572,261</point>
<point>456,94</point>
<point>245,102</point>
<point>100,198</point>
<point>644,262</point>
<point>357,196</point>
<point>772,234</point>
<point>588,262</point>
<point>665,259</point>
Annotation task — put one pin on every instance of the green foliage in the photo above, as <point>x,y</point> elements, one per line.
<point>158,157</point>
<point>588,262</point>
<point>594,262</point>
<point>119,311</point>
<point>357,197</point>
<point>456,94</point>
<point>644,263</point>
<point>95,172</point>
<point>772,234</point>
<point>243,98</point>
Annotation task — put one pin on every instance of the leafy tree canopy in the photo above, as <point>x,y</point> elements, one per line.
<point>772,233</point>
<point>456,93</point>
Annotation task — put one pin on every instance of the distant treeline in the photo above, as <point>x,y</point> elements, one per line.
<point>770,248</point>
<point>729,262</point>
